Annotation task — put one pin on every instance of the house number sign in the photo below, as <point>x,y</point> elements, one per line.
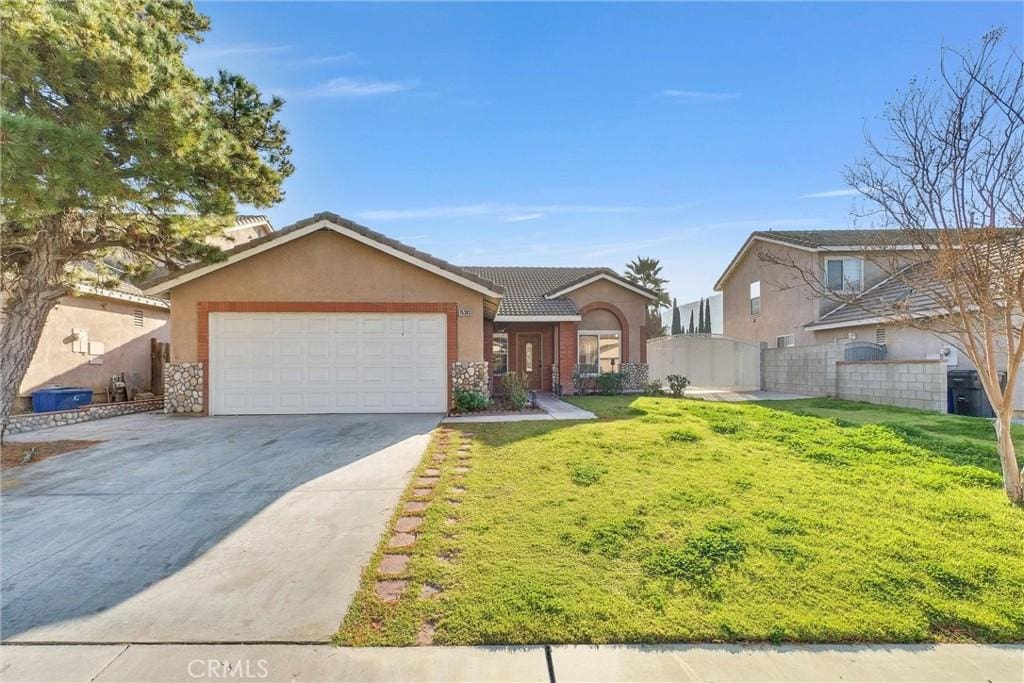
<point>465,312</point>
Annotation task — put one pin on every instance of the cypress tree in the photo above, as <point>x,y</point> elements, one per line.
<point>707,317</point>
<point>691,321</point>
<point>700,316</point>
<point>677,326</point>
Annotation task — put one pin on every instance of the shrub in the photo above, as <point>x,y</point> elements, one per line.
<point>677,384</point>
<point>517,393</point>
<point>609,383</point>
<point>581,382</point>
<point>654,388</point>
<point>467,401</point>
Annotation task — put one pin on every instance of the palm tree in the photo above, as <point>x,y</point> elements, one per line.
<point>646,272</point>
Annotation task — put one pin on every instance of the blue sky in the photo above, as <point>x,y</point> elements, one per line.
<point>583,134</point>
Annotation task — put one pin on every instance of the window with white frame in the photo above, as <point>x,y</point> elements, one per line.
<point>499,353</point>
<point>785,341</point>
<point>755,298</point>
<point>599,351</point>
<point>844,274</point>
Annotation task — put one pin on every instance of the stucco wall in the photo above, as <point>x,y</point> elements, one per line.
<point>785,306</point>
<point>632,305</point>
<point>112,322</point>
<point>599,319</point>
<point>708,362</point>
<point>323,266</point>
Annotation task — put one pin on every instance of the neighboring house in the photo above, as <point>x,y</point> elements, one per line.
<point>245,229</point>
<point>97,332</point>
<point>717,323</point>
<point>327,316</point>
<point>767,303</point>
<point>93,334</point>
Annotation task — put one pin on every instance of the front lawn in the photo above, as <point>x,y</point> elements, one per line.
<point>679,520</point>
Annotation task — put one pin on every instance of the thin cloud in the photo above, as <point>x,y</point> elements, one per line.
<point>345,87</point>
<point>520,218</point>
<point>510,213</point>
<point>237,50</point>
<point>850,192</point>
<point>343,58</point>
<point>699,95</point>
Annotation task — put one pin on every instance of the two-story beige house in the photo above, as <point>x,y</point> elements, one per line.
<point>766,301</point>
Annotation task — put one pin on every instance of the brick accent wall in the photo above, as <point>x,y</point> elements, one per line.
<point>207,307</point>
<point>909,384</point>
<point>28,422</point>
<point>567,354</point>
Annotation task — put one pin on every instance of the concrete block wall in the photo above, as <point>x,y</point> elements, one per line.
<point>909,384</point>
<point>809,370</point>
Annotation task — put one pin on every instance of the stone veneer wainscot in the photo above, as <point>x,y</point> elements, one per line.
<point>471,376</point>
<point>183,388</point>
<point>28,422</point>
<point>634,376</point>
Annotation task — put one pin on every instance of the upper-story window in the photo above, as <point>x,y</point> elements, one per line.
<point>755,297</point>
<point>844,274</point>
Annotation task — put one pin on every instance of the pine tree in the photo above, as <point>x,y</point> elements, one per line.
<point>677,325</point>
<point>691,322</point>
<point>113,145</point>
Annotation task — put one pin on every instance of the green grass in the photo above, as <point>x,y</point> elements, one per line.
<point>678,520</point>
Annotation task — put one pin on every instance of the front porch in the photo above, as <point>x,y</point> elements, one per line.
<point>548,353</point>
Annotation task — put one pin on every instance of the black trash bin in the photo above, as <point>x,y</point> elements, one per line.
<point>968,393</point>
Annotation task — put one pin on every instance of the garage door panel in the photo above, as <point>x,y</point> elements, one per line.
<point>266,363</point>
<point>374,326</point>
<point>318,375</point>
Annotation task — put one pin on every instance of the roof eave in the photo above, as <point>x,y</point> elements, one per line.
<point>600,275</point>
<point>344,227</point>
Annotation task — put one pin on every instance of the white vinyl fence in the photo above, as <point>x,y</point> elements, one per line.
<point>707,361</point>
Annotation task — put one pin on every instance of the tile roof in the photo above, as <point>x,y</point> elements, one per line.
<point>888,295</point>
<point>242,220</point>
<point>823,239</point>
<point>525,287</point>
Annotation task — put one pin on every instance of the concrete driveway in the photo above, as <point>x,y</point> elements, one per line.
<point>181,529</point>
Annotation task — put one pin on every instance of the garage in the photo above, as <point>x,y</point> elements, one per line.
<point>324,316</point>
<point>298,363</point>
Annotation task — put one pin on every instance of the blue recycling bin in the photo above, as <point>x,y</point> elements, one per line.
<point>60,398</point>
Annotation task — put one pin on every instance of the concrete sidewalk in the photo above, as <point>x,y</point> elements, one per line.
<point>561,664</point>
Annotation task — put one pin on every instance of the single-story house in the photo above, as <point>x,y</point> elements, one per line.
<point>328,316</point>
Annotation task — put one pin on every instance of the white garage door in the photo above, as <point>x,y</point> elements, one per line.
<point>273,363</point>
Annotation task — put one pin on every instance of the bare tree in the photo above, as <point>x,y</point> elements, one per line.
<point>946,185</point>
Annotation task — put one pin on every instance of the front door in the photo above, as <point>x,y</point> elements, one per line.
<point>529,359</point>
